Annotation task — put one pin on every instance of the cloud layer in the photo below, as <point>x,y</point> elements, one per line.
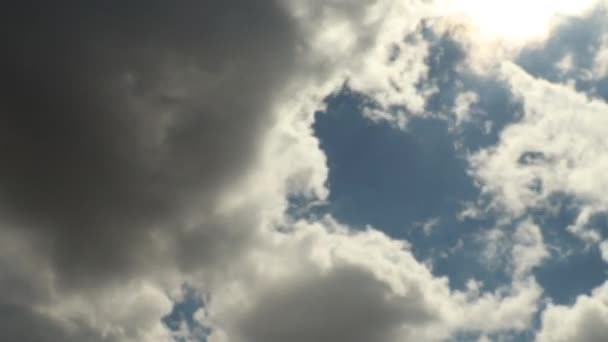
<point>152,145</point>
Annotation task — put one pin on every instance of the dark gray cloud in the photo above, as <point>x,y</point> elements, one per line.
<point>116,119</point>
<point>347,304</point>
<point>114,115</point>
<point>41,329</point>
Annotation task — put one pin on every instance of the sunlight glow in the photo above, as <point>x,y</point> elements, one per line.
<point>516,21</point>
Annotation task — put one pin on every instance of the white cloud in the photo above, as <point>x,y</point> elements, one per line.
<point>585,321</point>
<point>324,282</point>
<point>462,106</point>
<point>529,250</point>
<point>557,147</point>
<point>581,228</point>
<point>494,20</point>
<point>600,63</point>
<point>604,250</point>
<point>487,29</point>
<point>519,252</point>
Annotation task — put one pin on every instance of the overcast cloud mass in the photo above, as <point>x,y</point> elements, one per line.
<point>297,170</point>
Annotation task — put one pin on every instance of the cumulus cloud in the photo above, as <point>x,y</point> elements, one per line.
<point>556,149</point>
<point>329,284</point>
<point>586,320</point>
<point>326,283</point>
<point>556,145</point>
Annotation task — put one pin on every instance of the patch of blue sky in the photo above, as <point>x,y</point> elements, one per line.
<point>182,318</point>
<point>400,181</point>
<point>574,268</point>
<point>495,104</point>
<point>524,336</point>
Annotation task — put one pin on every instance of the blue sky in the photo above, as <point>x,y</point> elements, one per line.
<point>398,181</point>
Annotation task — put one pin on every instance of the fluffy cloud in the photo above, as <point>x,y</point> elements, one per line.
<point>585,321</point>
<point>519,251</point>
<point>556,148</point>
<point>323,282</point>
<point>528,250</point>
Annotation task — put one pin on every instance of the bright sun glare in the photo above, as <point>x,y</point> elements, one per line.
<point>515,20</point>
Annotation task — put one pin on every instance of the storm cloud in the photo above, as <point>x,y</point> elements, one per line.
<point>115,116</point>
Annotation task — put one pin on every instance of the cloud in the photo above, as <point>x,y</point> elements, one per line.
<point>518,251</point>
<point>462,106</point>
<point>556,143</point>
<point>555,149</point>
<point>126,129</point>
<point>528,250</point>
<point>586,320</point>
<point>117,117</point>
<point>325,287</point>
<point>325,282</point>
<point>36,310</point>
<point>144,143</point>
<point>535,20</point>
<point>600,61</point>
<point>150,144</point>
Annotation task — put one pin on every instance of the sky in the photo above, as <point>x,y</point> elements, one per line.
<point>304,170</point>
